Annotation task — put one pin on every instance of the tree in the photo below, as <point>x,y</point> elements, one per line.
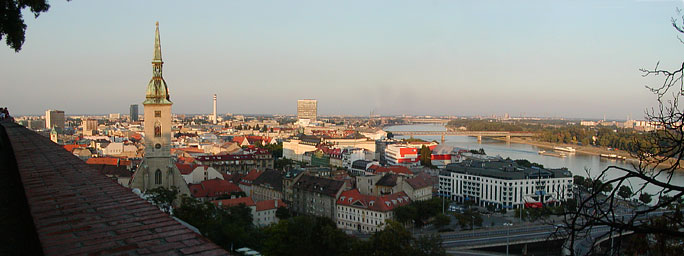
<point>625,192</point>
<point>425,154</point>
<point>428,245</point>
<point>393,240</point>
<point>390,135</point>
<point>305,235</point>
<point>441,220</point>
<point>659,153</point>
<point>282,213</point>
<point>645,198</point>
<point>162,197</point>
<point>12,25</point>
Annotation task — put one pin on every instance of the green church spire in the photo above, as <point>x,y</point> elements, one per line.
<point>157,92</point>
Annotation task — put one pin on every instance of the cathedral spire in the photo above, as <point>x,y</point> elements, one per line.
<point>157,92</point>
<point>157,46</point>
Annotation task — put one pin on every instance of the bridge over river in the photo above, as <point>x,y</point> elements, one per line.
<point>478,134</point>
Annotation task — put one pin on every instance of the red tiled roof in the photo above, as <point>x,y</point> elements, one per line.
<point>269,205</point>
<point>234,202</point>
<point>108,161</point>
<point>185,169</point>
<point>83,212</point>
<point>375,203</point>
<point>136,136</point>
<point>240,140</point>
<point>213,188</point>
<point>251,176</point>
<point>187,160</point>
<point>396,169</point>
<point>71,147</point>
<point>420,181</point>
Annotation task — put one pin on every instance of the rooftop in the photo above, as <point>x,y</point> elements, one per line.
<point>506,169</point>
<point>77,210</point>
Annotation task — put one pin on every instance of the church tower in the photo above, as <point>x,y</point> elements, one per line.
<point>157,168</point>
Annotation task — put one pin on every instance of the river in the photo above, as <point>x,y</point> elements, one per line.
<point>577,163</point>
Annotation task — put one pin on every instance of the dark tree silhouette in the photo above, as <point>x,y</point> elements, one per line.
<point>12,25</point>
<point>609,203</point>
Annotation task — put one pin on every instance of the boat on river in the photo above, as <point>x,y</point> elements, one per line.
<point>565,149</point>
<point>552,153</point>
<point>613,156</point>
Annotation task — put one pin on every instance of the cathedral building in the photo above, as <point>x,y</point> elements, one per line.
<point>157,168</point>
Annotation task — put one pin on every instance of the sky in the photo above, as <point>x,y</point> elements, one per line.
<point>574,59</point>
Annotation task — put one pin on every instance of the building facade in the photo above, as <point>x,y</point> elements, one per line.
<point>89,127</point>
<point>504,184</point>
<point>307,109</point>
<point>365,213</point>
<point>54,118</point>
<point>133,112</point>
<point>239,163</point>
<point>316,196</point>
<point>399,154</point>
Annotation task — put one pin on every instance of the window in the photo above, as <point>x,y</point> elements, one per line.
<point>157,113</point>
<point>157,177</point>
<point>157,129</point>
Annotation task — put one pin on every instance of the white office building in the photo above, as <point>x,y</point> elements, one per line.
<point>504,184</point>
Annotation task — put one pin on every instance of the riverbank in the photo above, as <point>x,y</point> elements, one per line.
<point>590,150</point>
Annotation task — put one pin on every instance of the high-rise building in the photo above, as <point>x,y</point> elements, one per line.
<point>307,109</point>
<point>134,113</point>
<point>54,118</point>
<point>215,118</point>
<point>157,168</point>
<point>89,127</point>
<point>115,116</point>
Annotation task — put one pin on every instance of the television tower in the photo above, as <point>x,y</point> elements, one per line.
<point>214,116</point>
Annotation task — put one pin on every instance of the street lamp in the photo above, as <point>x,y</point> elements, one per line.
<point>508,232</point>
<point>472,225</point>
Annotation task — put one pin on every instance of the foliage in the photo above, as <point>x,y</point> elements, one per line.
<point>275,149</point>
<point>528,164</point>
<point>478,152</point>
<point>441,220</point>
<point>396,240</point>
<point>468,218</point>
<point>162,197</point>
<point>429,245</point>
<point>227,227</point>
<point>305,235</point>
<point>418,212</point>
<point>625,192</point>
<point>625,139</point>
<point>12,25</point>
<point>282,213</point>
<point>390,135</point>
<point>491,125</point>
<point>425,154</point>
<point>645,198</point>
<point>283,164</point>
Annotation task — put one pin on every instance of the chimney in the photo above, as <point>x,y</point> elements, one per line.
<point>214,117</point>
<point>276,203</point>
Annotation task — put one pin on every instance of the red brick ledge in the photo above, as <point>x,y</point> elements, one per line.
<point>77,210</point>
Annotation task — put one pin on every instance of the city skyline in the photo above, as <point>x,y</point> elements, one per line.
<point>575,60</point>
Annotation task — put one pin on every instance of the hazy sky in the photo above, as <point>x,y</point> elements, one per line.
<point>540,58</point>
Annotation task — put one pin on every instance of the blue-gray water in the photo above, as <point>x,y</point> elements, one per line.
<point>576,163</point>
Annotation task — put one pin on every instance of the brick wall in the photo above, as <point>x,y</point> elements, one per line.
<point>77,210</point>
